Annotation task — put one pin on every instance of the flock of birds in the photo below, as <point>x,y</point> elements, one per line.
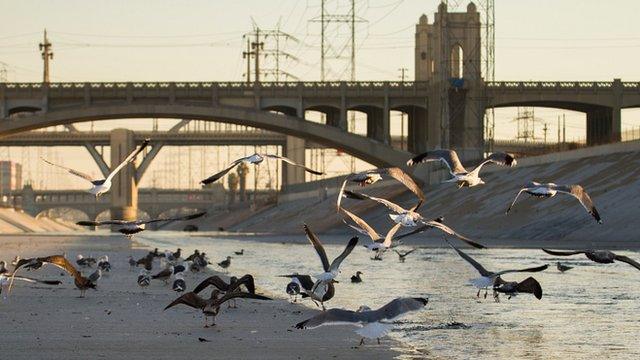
<point>321,287</point>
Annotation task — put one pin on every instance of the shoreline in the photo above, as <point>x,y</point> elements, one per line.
<point>120,319</point>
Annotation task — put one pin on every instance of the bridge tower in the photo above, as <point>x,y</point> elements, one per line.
<point>448,56</point>
<point>124,190</point>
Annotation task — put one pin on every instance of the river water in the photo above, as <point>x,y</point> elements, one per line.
<point>589,312</point>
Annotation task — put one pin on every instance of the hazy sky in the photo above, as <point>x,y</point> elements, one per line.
<point>197,40</point>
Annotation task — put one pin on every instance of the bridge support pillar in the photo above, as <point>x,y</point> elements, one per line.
<point>418,134</point>
<point>294,149</point>
<point>124,189</point>
<point>603,125</point>
<point>335,118</point>
<point>377,124</point>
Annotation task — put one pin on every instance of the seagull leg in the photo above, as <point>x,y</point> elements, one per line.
<point>485,293</point>
<point>361,342</point>
<point>323,308</point>
<point>378,341</point>
<point>205,322</point>
<point>478,294</point>
<point>315,303</point>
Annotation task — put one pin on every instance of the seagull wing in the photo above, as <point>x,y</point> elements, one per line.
<point>389,238</point>
<point>500,158</point>
<point>332,317</point>
<point>628,260</point>
<point>362,226</point>
<point>396,308</point>
<point>212,280</point>
<point>31,280</point>
<point>533,269</point>
<point>417,230</point>
<point>449,157</point>
<point>530,286</point>
<point>305,280</point>
<point>190,299</point>
<point>516,199</point>
<point>291,162</point>
<point>347,250</point>
<point>318,246</point>
<point>248,281</point>
<point>238,294</point>
<point>470,260</point>
<point>177,218</point>
<point>390,205</point>
<point>578,192</point>
<point>128,159</point>
<point>216,176</point>
<point>405,179</point>
<point>70,170</point>
<point>450,231</point>
<point>340,193</point>
<point>62,262</point>
<point>563,253</point>
<point>101,223</point>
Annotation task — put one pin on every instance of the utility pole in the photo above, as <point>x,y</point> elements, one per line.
<point>544,129</point>
<point>564,130</point>
<point>256,46</point>
<point>47,54</point>
<point>247,55</point>
<point>402,78</point>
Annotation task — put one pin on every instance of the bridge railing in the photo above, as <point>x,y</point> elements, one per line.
<point>554,84</point>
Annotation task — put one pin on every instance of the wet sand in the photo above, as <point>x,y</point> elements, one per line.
<point>122,320</point>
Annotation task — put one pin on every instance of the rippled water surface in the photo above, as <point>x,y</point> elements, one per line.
<point>589,312</point>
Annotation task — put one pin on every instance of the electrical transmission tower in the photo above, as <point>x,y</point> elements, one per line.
<point>47,54</point>
<point>330,48</point>
<point>526,121</point>
<point>266,46</point>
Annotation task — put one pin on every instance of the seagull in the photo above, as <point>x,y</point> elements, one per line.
<point>143,278</point>
<point>330,270</point>
<point>179,268</point>
<point>196,253</point>
<point>356,278</point>
<point>131,227</point>
<point>146,262</point>
<point>550,190</point>
<point>239,253</point>
<point>599,256</point>
<point>489,278</point>
<point>101,186</point>
<point>233,285</point>
<point>3,268</point>
<point>373,324</point>
<point>459,174</point>
<point>95,276</point>
<point>256,159</point>
<point>104,264</point>
<point>403,255</point>
<point>410,218</point>
<point>368,177</point>
<point>305,286</point>
<point>85,262</point>
<point>562,268</point>
<point>164,274</point>
<point>513,288</point>
<point>225,263</point>
<point>211,307</point>
<point>178,284</point>
<point>172,256</point>
<point>81,282</point>
<point>293,289</point>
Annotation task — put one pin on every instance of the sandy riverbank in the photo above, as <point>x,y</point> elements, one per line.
<point>120,320</point>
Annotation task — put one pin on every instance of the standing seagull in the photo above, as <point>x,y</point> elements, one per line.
<point>550,190</point>
<point>303,285</point>
<point>410,218</point>
<point>178,284</point>
<point>373,324</point>
<point>81,282</point>
<point>225,263</point>
<point>131,227</point>
<point>599,256</point>
<point>489,278</point>
<point>256,159</point>
<point>101,186</point>
<point>143,278</point>
<point>459,174</point>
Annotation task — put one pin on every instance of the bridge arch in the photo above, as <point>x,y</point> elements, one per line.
<point>369,150</point>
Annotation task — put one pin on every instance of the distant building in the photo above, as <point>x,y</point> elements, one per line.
<point>10,177</point>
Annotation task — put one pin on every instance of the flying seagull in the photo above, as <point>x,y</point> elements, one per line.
<point>459,174</point>
<point>256,159</point>
<point>410,218</point>
<point>131,227</point>
<point>211,307</point>
<point>402,256</point>
<point>489,278</point>
<point>330,270</point>
<point>372,324</point>
<point>599,256</point>
<point>368,177</point>
<point>101,186</point>
<point>513,288</point>
<point>81,282</point>
<point>5,280</point>
<point>550,190</point>
<point>234,285</point>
